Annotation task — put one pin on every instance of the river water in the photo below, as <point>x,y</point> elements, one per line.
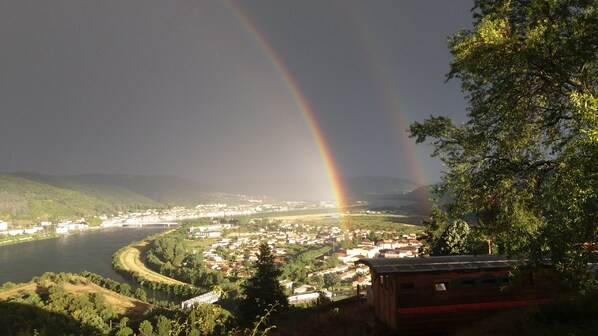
<point>86,251</point>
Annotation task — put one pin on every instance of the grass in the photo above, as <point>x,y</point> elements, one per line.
<point>17,291</point>
<point>382,222</point>
<point>375,222</point>
<point>123,305</point>
<point>327,216</point>
<point>201,243</point>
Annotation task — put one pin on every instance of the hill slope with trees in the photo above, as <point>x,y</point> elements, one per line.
<point>27,198</point>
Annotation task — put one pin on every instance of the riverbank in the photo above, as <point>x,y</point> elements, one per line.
<point>127,261</point>
<point>87,250</point>
<point>25,238</point>
<point>131,260</point>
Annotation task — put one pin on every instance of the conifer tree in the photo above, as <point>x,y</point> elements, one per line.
<point>262,289</point>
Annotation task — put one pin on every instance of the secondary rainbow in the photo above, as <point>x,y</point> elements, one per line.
<point>388,89</point>
<point>298,98</point>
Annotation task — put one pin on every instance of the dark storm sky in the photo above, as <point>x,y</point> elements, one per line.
<point>182,88</point>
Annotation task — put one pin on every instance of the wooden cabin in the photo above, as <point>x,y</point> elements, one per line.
<point>419,296</point>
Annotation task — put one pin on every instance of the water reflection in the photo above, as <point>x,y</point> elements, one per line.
<point>86,251</point>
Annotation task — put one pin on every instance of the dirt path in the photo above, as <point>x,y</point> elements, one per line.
<point>131,260</point>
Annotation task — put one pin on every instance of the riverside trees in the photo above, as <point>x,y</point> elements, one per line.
<point>524,161</point>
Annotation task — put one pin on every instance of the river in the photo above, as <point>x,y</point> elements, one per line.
<point>86,251</point>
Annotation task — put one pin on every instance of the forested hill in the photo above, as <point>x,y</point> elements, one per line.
<point>158,188</point>
<point>28,197</point>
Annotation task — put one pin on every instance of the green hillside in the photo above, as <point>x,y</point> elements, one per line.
<point>27,198</point>
<point>25,202</point>
<point>168,190</point>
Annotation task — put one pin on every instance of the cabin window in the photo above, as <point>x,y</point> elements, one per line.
<point>384,281</point>
<point>407,285</point>
<point>468,282</point>
<point>489,281</point>
<point>441,286</point>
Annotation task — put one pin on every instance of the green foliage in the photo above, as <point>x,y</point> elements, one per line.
<point>202,320</point>
<point>163,326</point>
<point>7,285</point>
<point>167,253</point>
<point>26,202</point>
<point>184,291</point>
<point>169,248</point>
<point>115,286</point>
<point>209,319</point>
<point>331,280</point>
<point>25,199</point>
<point>55,311</point>
<point>140,294</point>
<point>125,331</point>
<point>434,226</point>
<point>146,328</point>
<point>318,281</point>
<point>397,223</point>
<point>122,329</point>
<point>263,290</point>
<point>454,240</point>
<point>302,260</point>
<point>24,318</point>
<point>523,164</point>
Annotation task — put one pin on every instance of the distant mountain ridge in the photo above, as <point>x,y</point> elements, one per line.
<point>353,188</point>
<point>377,185</point>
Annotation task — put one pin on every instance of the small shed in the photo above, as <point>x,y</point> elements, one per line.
<point>418,296</point>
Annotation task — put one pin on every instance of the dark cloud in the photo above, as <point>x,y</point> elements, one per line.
<point>150,87</point>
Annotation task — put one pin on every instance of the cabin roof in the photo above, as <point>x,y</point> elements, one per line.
<point>438,264</point>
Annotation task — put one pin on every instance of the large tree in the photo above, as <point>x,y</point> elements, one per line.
<point>524,163</point>
<point>454,240</point>
<point>263,291</point>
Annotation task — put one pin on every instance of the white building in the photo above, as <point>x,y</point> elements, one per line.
<point>3,226</point>
<point>34,230</point>
<point>62,229</point>
<point>15,232</point>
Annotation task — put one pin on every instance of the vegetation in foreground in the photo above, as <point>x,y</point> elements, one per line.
<point>568,316</point>
<point>63,304</point>
<point>522,167</point>
<point>263,291</point>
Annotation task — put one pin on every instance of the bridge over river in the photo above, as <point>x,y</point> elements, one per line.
<point>210,297</point>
